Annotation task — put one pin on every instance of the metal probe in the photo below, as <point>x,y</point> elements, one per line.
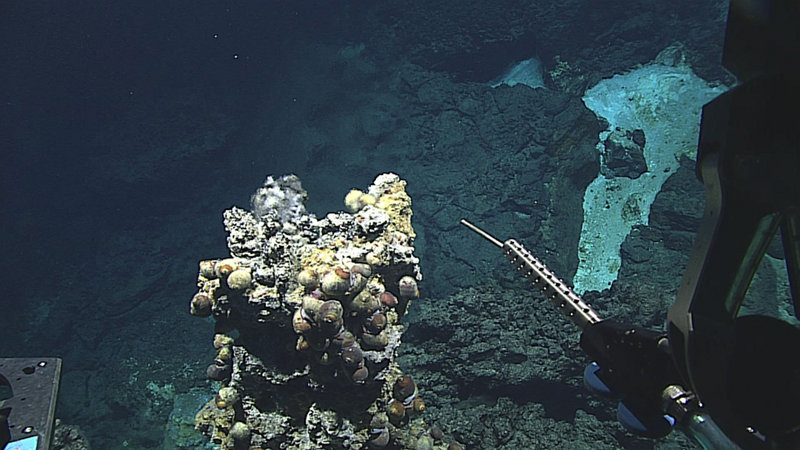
<point>561,295</point>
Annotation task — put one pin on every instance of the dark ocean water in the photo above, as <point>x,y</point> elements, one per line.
<point>127,128</point>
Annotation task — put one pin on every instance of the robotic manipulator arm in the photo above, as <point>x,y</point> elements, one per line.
<point>741,370</point>
<point>631,364</point>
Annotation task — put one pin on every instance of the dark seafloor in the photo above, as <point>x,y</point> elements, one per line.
<point>128,127</point>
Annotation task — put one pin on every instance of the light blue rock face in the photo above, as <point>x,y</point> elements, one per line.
<point>527,72</point>
<point>666,103</point>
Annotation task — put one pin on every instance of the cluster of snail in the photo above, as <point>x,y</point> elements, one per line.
<point>405,400</point>
<point>405,403</point>
<point>343,312</point>
<point>220,279</point>
<point>227,277</point>
<point>223,361</point>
